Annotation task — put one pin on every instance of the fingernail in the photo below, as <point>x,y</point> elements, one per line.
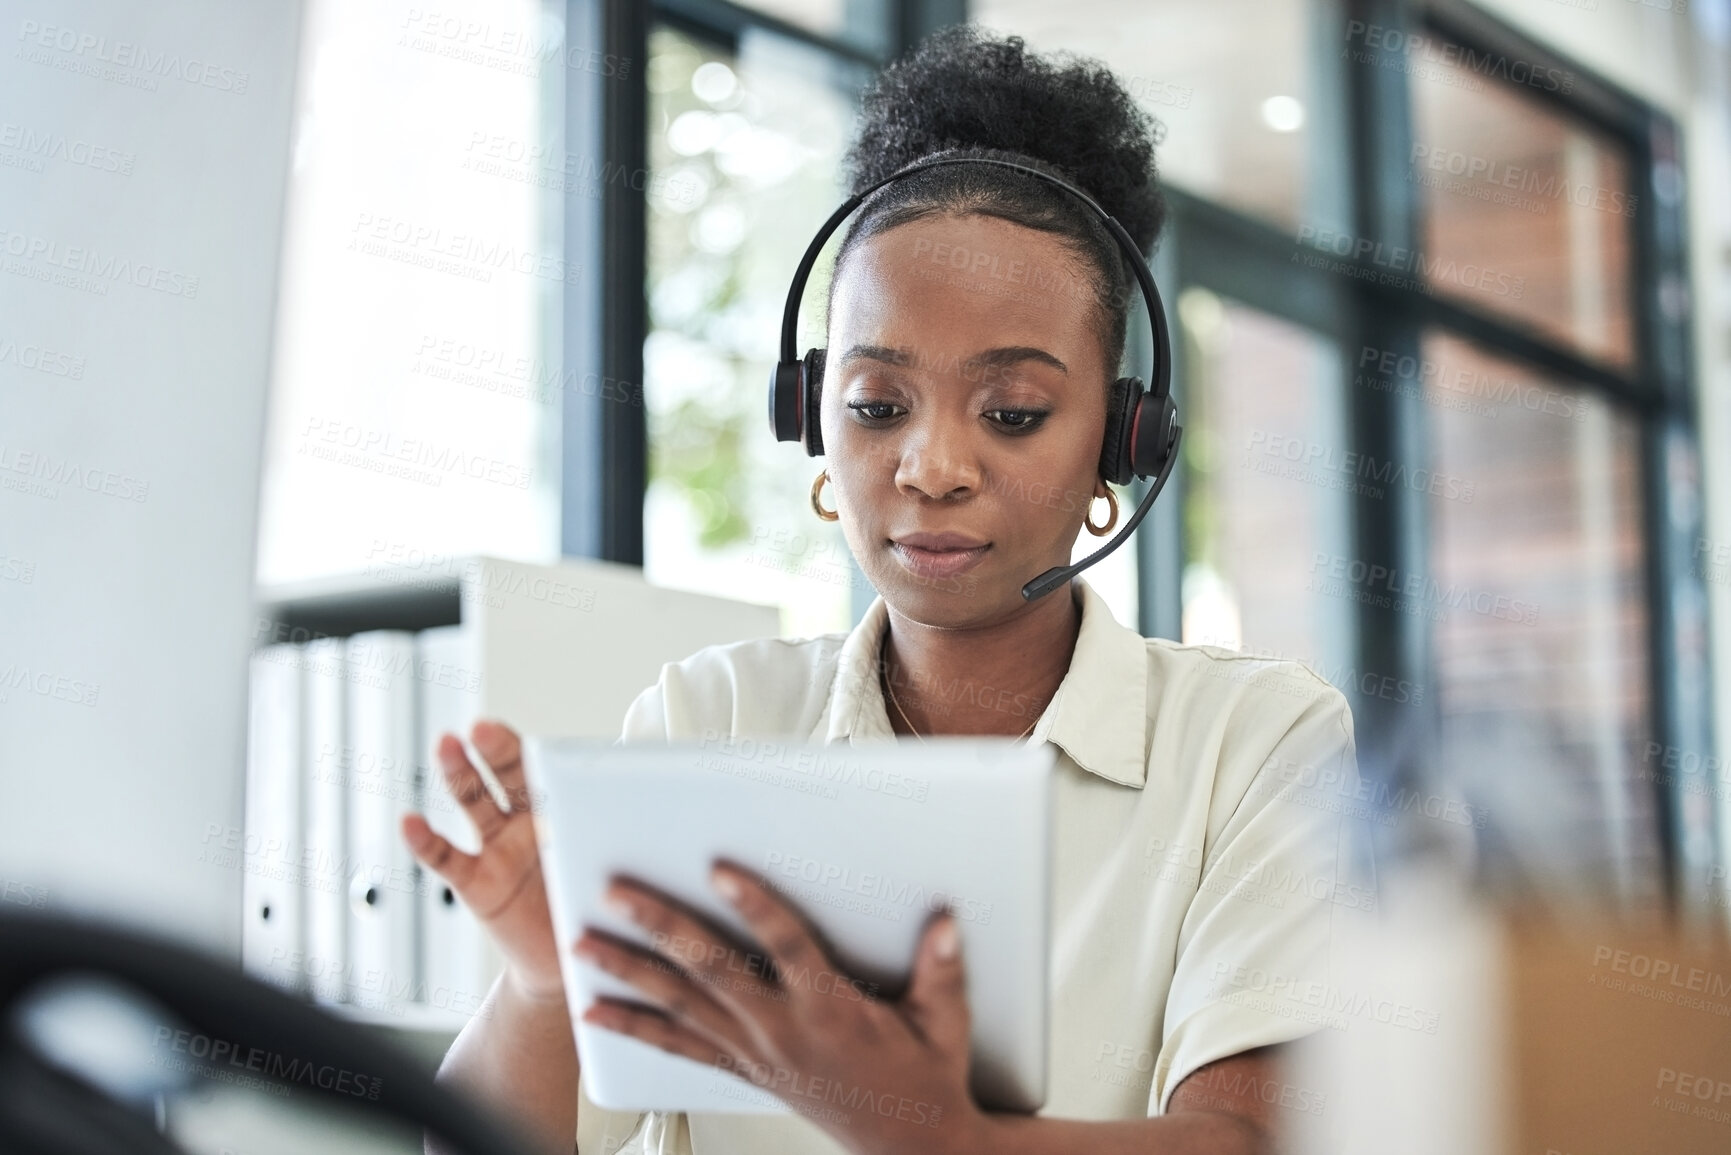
<point>619,904</point>
<point>946,941</point>
<point>726,885</point>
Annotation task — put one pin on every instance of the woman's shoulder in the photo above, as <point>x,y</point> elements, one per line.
<point>1236,679</point>
<point>760,685</point>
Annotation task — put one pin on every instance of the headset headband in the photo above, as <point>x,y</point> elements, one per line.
<point>1160,386</point>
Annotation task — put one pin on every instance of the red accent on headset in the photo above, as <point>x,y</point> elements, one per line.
<point>1135,420</point>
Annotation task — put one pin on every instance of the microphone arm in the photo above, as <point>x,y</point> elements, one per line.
<point>1060,575</point>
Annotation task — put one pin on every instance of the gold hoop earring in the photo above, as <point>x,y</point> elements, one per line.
<point>832,515</point>
<point>1088,518</point>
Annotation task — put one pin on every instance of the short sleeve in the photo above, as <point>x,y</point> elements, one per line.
<point>1254,951</point>
<point>646,717</point>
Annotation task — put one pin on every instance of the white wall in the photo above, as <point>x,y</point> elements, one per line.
<point>146,145</point>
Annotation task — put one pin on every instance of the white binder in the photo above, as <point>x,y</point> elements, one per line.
<point>273,897</point>
<point>378,773</point>
<point>325,855</point>
<point>458,962</point>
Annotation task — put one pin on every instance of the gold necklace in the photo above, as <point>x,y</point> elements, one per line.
<point>892,697</point>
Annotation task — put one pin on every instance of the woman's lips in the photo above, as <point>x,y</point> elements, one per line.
<point>934,563</point>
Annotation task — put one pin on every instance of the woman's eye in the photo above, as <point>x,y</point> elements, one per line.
<point>869,409</point>
<point>1019,420</point>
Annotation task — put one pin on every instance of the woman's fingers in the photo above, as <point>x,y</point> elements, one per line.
<point>680,996</point>
<point>737,977</point>
<point>937,997</point>
<point>499,745</point>
<point>791,943</point>
<point>437,854</point>
<point>657,1029</point>
<point>469,788</point>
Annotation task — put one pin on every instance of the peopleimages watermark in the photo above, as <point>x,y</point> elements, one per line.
<point>40,474</point>
<point>836,885</point>
<point>502,47</point>
<point>1254,880</point>
<point>1301,677</point>
<point>1226,1087</point>
<point>460,254</point>
<point>1148,90</point>
<point>1690,771</point>
<point>17,569</point>
<point>1713,561</point>
<point>1446,61</point>
<point>1700,1096</point>
<point>1660,980</point>
<point>1718,892</point>
<point>412,458</point>
<point>1462,388</point>
<point>1314,1001</point>
<point>985,271</point>
<point>23,146</point>
<point>716,965</point>
<point>214,1057</point>
<point>515,375</point>
<point>570,173</point>
<point>374,988</point>
<point>405,564</point>
<point>124,62</point>
<point>1532,190</point>
<point>23,894</point>
<point>1311,785</point>
<point>42,359</point>
<point>1384,587</point>
<point>790,1088</point>
<point>1300,459</point>
<point>20,677</point>
<point>87,268</point>
<point>1385,264</point>
<point>791,759</point>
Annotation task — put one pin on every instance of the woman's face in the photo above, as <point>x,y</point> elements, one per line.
<point>964,394</point>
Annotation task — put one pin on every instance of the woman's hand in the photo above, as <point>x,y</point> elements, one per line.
<point>502,884</point>
<point>878,1076</point>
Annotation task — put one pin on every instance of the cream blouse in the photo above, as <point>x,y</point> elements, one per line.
<point>1205,845</point>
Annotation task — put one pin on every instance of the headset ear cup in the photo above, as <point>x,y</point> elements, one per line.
<point>811,380</point>
<point>785,395</point>
<point>1151,435</point>
<point>1121,402</point>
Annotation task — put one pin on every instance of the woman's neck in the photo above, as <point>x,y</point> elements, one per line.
<point>990,681</point>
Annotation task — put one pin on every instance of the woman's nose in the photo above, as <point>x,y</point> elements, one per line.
<point>937,461</point>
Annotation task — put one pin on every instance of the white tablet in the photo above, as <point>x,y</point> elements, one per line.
<point>867,840</point>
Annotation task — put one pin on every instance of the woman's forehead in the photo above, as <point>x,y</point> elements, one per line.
<point>964,279</point>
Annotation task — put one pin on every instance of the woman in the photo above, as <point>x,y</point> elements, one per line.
<point>963,413</point>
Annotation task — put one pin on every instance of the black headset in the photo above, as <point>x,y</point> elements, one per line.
<point>1142,429</point>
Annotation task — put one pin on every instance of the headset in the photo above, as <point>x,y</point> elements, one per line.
<point>1142,430</point>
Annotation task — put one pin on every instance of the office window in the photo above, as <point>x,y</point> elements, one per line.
<point>1267,473</point>
<point>1538,610</point>
<point>1529,213</point>
<point>415,388</point>
<point>745,153</point>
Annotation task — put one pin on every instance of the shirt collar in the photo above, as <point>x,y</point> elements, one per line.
<point>1099,716</point>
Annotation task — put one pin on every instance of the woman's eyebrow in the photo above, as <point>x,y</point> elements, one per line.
<point>1008,355</point>
<point>999,358</point>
